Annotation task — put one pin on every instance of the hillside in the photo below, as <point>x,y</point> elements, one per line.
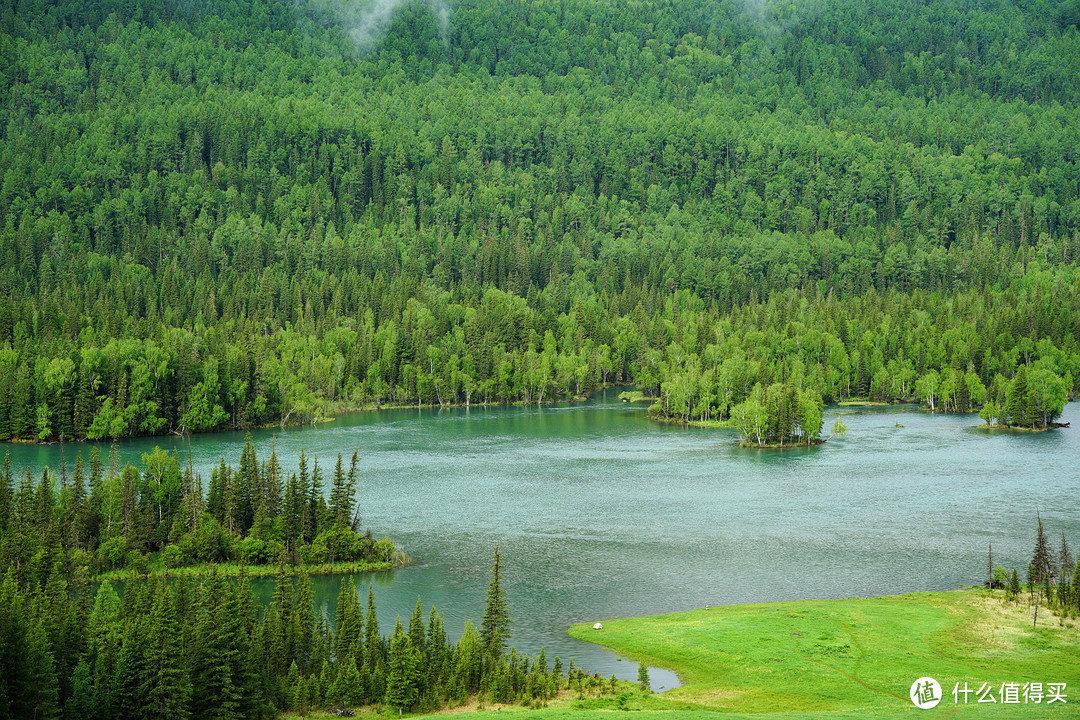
<point>230,214</point>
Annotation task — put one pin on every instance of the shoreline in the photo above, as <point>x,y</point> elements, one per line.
<point>259,571</point>
<point>865,652</point>
<point>628,397</point>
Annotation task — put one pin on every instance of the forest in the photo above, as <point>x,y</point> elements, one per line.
<point>190,649</point>
<point>236,214</point>
<point>230,214</point>
<point>102,518</point>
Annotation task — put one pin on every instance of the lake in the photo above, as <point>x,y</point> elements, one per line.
<point>599,512</point>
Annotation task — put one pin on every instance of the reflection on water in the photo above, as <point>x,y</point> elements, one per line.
<point>600,513</point>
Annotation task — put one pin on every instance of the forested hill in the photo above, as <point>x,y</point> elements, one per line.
<point>226,214</point>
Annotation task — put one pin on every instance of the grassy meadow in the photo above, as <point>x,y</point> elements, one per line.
<point>854,658</point>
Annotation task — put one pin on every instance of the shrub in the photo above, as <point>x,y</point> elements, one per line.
<point>112,555</point>
<point>252,551</point>
<point>313,554</point>
<point>173,557</point>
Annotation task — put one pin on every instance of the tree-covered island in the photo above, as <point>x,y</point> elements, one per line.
<point>100,519</point>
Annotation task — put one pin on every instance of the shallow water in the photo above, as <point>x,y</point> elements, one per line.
<point>600,513</point>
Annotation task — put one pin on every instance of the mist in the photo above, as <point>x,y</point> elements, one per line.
<point>367,21</point>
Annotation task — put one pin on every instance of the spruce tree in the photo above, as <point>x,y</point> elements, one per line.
<point>374,662</point>
<point>302,623</point>
<point>1041,564</point>
<point>1016,398</point>
<point>401,680</point>
<point>272,484</point>
<point>469,659</point>
<point>1065,561</point>
<point>1076,585</point>
<point>248,486</point>
<point>166,692</point>
<point>80,704</point>
<point>7,492</point>
<point>343,491</point>
<point>495,626</point>
<point>216,658</point>
<point>348,640</point>
<point>1014,585</point>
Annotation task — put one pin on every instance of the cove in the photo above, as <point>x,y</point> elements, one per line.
<point>600,512</point>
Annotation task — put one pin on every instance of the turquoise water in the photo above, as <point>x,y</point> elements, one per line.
<point>600,513</point>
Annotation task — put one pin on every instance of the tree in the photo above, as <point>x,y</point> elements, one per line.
<point>401,682</point>
<point>1014,585</point>
<point>218,654</point>
<point>343,491</point>
<point>643,676</point>
<point>1065,561</point>
<point>495,626</point>
<point>1041,563</point>
<point>167,689</point>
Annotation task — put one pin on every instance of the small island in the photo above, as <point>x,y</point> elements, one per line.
<point>779,415</point>
<point>1032,401</point>
<point>102,521</point>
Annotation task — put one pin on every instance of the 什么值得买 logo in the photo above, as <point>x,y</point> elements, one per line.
<point>925,693</point>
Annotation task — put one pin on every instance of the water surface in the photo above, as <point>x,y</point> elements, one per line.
<point>600,513</point>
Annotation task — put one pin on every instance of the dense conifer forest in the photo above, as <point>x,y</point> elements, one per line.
<point>230,214</point>
<point>99,517</point>
<point>206,649</point>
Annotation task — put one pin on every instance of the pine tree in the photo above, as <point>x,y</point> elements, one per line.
<point>343,491</point>
<point>216,658</point>
<point>348,633</point>
<point>248,486</point>
<point>495,626</point>
<point>401,685</point>
<point>7,492</point>
<point>374,660</point>
<point>166,692</point>
<point>80,704</point>
<point>1041,564</point>
<point>1065,561</point>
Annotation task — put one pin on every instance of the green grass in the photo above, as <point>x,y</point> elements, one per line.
<point>635,396</point>
<point>836,659</point>
<point>861,403</point>
<point>854,657</point>
<point>236,569</point>
<point>833,659</point>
